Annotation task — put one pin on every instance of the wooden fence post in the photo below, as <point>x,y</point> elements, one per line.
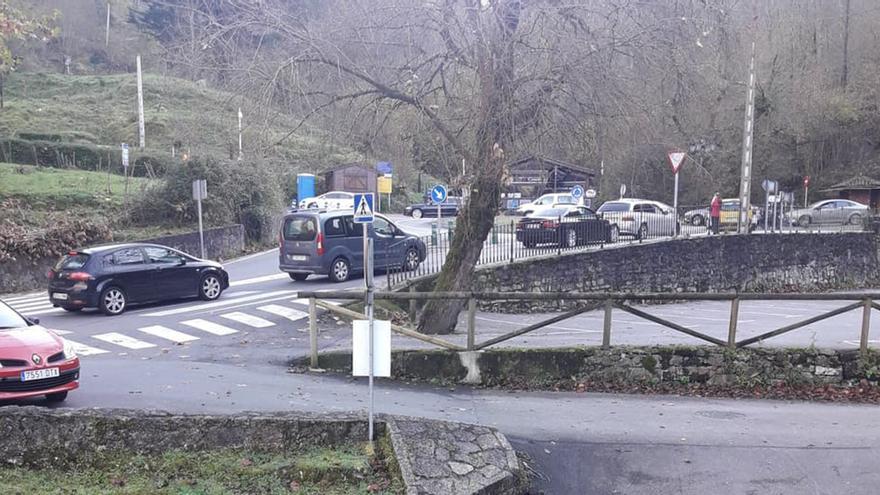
<point>471,323</point>
<point>734,318</point>
<point>606,328</point>
<point>866,325</point>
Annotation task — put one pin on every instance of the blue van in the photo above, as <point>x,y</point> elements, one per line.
<point>330,243</point>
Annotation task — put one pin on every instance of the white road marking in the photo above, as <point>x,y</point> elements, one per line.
<point>856,343</point>
<point>42,312</point>
<point>23,297</point>
<point>31,305</point>
<point>285,312</point>
<point>168,334</point>
<point>209,326</point>
<point>219,304</point>
<point>62,332</point>
<point>123,340</point>
<point>257,280</point>
<point>249,320</point>
<point>85,350</point>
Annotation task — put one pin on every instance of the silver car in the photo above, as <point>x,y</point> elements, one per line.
<point>830,211</point>
<point>640,218</point>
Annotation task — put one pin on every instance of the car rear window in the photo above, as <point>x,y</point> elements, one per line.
<point>300,229</point>
<point>613,207</point>
<point>551,213</point>
<point>72,261</point>
<point>566,200</point>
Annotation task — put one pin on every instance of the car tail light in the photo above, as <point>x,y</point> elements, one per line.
<point>320,242</point>
<point>628,218</point>
<point>549,224</point>
<point>80,276</point>
<point>50,274</point>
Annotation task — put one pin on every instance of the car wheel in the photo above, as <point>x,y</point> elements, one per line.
<point>112,301</point>
<point>57,396</point>
<point>614,234</point>
<point>209,287</point>
<point>855,219</point>
<point>804,221</point>
<point>417,213</point>
<point>643,231</point>
<point>698,220</point>
<point>530,244</point>
<point>299,277</point>
<point>340,270</point>
<point>569,238</point>
<point>72,309</point>
<point>412,260</point>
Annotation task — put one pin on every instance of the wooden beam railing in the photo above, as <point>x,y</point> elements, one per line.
<point>591,301</point>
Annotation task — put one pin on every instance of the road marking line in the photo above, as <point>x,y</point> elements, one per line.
<point>123,340</point>
<point>856,343</point>
<point>85,350</point>
<point>257,280</point>
<point>283,311</point>
<point>42,312</point>
<point>24,297</point>
<point>31,305</point>
<point>62,332</point>
<point>250,256</point>
<point>249,320</point>
<point>209,326</point>
<point>219,304</point>
<point>168,334</point>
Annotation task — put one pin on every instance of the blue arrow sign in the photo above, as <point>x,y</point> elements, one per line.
<point>438,194</point>
<point>363,208</point>
<point>577,192</point>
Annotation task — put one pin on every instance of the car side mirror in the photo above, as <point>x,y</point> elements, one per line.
<point>181,262</point>
<point>34,321</point>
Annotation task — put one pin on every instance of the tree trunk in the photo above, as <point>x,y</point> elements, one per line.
<point>845,76</point>
<point>495,67</point>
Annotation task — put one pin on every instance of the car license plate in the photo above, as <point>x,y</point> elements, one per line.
<point>27,376</point>
<point>59,296</point>
<point>298,257</point>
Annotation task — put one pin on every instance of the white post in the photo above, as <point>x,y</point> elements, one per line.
<point>107,31</point>
<point>239,133</point>
<point>201,231</point>
<point>806,195</point>
<point>140,84</point>
<point>675,203</point>
<point>368,310</point>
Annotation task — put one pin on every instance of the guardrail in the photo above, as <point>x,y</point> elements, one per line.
<point>525,238</point>
<point>592,301</point>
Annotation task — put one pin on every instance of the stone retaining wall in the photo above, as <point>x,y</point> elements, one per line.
<point>628,366</point>
<point>746,263</point>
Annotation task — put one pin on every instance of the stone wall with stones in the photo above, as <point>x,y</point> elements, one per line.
<point>630,366</point>
<point>746,263</point>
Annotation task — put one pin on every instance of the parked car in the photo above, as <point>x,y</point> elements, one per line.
<point>697,217</point>
<point>640,218</point>
<point>333,200</point>
<point>34,361</point>
<point>568,226</point>
<point>830,211</point>
<point>546,201</point>
<point>449,208</point>
<point>330,243</point>
<point>113,277</point>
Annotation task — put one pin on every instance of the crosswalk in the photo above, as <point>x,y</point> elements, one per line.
<point>239,312</point>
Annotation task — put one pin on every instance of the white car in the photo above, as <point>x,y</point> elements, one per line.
<point>547,201</point>
<point>333,200</point>
<point>640,218</point>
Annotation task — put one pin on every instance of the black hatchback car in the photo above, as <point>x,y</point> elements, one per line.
<point>111,278</point>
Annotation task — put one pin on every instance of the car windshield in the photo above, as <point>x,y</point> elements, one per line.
<point>10,319</point>
<point>72,261</point>
<point>613,206</point>
<point>300,229</point>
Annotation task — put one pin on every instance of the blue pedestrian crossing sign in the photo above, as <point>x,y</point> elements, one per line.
<point>438,194</point>
<point>363,208</point>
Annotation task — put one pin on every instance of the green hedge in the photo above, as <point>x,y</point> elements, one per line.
<point>82,156</point>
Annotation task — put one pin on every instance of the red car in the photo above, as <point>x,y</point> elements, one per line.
<point>34,361</point>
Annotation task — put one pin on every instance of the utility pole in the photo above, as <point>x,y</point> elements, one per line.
<point>140,83</point>
<point>239,133</point>
<point>845,75</point>
<point>745,185</point>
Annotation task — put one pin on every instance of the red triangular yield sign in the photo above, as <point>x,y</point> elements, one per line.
<point>676,158</point>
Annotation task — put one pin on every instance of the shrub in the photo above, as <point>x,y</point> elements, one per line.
<point>238,192</point>
<point>19,242</point>
<point>84,156</point>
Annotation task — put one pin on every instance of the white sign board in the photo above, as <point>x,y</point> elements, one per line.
<point>200,189</point>
<point>590,193</point>
<point>363,208</point>
<point>360,348</point>
<point>124,155</point>
<point>676,158</point>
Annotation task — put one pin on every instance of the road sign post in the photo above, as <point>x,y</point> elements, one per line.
<point>676,159</point>
<point>806,189</point>
<point>770,187</point>
<point>438,196</point>
<point>200,192</point>
<point>363,214</point>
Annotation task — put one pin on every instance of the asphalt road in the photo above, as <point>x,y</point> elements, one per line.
<point>227,356</point>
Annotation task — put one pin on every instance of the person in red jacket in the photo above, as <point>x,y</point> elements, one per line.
<point>715,213</point>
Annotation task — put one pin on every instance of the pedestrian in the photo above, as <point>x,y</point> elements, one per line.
<point>715,213</point>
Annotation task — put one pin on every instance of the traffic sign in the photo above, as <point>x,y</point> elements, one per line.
<point>591,193</point>
<point>577,192</point>
<point>363,208</point>
<point>438,194</point>
<point>771,186</point>
<point>124,155</point>
<point>807,181</point>
<point>676,158</point>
